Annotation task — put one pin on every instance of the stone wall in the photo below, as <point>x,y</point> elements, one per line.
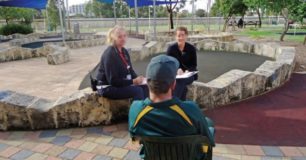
<point>237,85</point>
<point>86,108</point>
<point>16,52</point>
<point>193,36</point>
<point>83,108</point>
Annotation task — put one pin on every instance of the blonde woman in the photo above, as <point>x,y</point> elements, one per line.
<point>116,76</point>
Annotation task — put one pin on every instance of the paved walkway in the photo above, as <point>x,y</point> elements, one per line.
<point>35,77</point>
<point>112,142</point>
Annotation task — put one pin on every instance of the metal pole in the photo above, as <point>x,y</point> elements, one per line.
<point>149,19</point>
<point>67,15</point>
<point>193,16</point>
<point>208,18</point>
<point>154,21</point>
<point>61,20</point>
<point>115,15</point>
<point>130,19</point>
<point>136,15</point>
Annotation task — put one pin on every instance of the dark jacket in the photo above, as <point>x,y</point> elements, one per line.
<point>187,58</point>
<point>112,70</point>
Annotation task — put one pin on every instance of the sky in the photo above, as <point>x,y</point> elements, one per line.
<point>199,4</point>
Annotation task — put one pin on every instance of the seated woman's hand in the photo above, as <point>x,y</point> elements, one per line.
<point>138,80</point>
<point>180,71</point>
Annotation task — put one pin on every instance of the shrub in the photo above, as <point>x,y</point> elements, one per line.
<point>16,28</point>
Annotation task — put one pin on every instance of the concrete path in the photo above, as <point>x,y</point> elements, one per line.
<point>35,77</point>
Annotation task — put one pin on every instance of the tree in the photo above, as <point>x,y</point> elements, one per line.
<point>171,5</point>
<point>13,13</point>
<point>258,6</point>
<point>228,8</point>
<point>201,13</point>
<point>53,15</point>
<point>289,10</point>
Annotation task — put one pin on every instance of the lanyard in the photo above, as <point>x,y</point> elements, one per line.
<point>123,58</point>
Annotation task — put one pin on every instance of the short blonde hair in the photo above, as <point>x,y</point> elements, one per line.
<point>113,33</point>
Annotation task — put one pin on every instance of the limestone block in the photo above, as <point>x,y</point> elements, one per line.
<point>201,94</point>
<point>60,56</point>
<point>2,56</point>
<point>3,113</point>
<point>269,50</point>
<point>271,70</point>
<point>67,110</point>
<point>15,108</point>
<point>39,114</point>
<point>258,49</point>
<point>239,47</point>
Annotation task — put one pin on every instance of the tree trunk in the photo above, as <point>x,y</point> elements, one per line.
<point>285,30</point>
<point>171,19</point>
<point>259,17</point>
<point>6,21</point>
<point>305,40</point>
<point>225,24</point>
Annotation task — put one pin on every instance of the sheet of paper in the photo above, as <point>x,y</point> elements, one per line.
<point>186,75</point>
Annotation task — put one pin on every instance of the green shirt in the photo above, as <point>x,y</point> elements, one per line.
<point>168,119</point>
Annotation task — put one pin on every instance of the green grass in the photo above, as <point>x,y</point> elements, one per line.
<point>272,33</point>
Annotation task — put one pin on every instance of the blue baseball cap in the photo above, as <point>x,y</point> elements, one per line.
<point>162,68</point>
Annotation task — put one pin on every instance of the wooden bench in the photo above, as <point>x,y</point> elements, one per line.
<point>250,23</point>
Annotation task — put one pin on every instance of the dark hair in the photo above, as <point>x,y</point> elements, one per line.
<point>158,87</point>
<point>184,29</point>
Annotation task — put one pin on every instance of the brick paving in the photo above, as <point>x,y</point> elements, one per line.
<point>94,143</point>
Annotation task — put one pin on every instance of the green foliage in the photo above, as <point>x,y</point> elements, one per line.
<point>15,28</point>
<point>105,10</point>
<point>184,13</point>
<point>201,13</point>
<point>53,15</point>
<point>227,8</point>
<point>12,13</point>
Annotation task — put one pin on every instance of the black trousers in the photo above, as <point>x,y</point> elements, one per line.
<point>140,92</point>
<point>180,90</point>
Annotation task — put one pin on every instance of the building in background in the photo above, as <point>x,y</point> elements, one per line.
<point>77,9</point>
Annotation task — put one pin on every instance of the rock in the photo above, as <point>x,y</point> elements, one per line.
<point>59,56</point>
<point>40,116</point>
<point>14,109</point>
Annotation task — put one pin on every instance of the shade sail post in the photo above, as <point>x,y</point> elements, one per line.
<point>130,22</point>
<point>68,16</point>
<point>154,19</point>
<point>149,19</point>
<point>136,16</point>
<point>193,15</point>
<point>114,8</point>
<point>59,5</point>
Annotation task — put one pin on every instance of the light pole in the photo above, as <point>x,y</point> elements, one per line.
<point>114,8</point>
<point>154,21</point>
<point>67,15</point>
<point>193,15</point>
<point>136,15</point>
<point>59,5</point>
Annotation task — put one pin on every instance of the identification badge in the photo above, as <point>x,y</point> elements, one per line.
<point>129,77</point>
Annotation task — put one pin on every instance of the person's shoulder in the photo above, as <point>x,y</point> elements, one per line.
<point>190,105</point>
<point>173,45</point>
<point>137,106</point>
<point>108,51</point>
<point>189,45</point>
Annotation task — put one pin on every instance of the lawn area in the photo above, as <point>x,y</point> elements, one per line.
<point>272,32</point>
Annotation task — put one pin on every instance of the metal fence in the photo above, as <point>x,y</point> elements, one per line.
<point>95,24</point>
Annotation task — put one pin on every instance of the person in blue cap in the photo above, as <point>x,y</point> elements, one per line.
<point>162,114</point>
